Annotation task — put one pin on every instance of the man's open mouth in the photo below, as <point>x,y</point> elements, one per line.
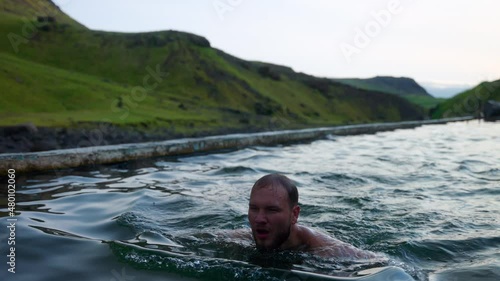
<point>262,233</point>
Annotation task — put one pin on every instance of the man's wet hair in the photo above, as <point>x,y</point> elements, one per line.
<point>275,180</point>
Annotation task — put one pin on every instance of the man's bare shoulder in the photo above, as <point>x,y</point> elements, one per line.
<point>323,244</point>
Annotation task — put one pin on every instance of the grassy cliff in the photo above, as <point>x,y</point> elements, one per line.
<point>468,103</point>
<point>56,72</point>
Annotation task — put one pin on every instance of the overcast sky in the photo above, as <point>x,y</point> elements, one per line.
<point>445,42</point>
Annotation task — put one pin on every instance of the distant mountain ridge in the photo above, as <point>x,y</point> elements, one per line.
<point>401,86</point>
<point>65,74</point>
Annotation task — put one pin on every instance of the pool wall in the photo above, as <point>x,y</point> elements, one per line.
<point>69,158</point>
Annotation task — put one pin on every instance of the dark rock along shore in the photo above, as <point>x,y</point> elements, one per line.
<point>30,138</point>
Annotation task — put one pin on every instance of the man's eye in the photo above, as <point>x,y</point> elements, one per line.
<point>273,210</point>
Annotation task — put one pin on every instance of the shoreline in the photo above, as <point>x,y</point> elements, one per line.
<point>94,155</point>
<point>27,137</point>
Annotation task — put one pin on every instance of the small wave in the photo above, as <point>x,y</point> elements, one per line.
<point>446,250</point>
<point>57,232</point>
<point>487,272</point>
<point>358,201</point>
<point>341,178</point>
<point>492,174</point>
<point>479,167</point>
<point>136,221</point>
<point>239,170</point>
<point>487,191</point>
<point>198,267</point>
<point>73,181</point>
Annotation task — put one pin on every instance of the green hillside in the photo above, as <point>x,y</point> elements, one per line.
<point>62,74</point>
<point>424,101</point>
<point>31,9</point>
<point>468,103</point>
<point>401,86</point>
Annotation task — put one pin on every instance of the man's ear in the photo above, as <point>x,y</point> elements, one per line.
<point>295,213</point>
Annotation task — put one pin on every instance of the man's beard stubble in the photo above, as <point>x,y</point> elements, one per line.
<point>280,239</point>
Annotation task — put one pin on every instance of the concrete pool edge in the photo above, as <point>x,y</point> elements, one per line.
<point>75,157</point>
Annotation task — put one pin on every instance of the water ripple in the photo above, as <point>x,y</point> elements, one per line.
<point>426,197</point>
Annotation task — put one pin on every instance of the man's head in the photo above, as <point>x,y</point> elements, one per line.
<point>273,210</point>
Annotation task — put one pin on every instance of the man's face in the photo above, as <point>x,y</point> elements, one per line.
<point>270,216</point>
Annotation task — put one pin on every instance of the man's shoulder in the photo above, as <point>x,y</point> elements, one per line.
<point>326,245</point>
<point>315,238</point>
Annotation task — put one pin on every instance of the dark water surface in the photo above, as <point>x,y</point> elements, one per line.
<point>428,198</point>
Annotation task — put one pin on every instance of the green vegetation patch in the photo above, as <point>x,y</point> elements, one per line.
<point>468,103</point>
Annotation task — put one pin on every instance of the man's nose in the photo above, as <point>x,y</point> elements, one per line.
<point>261,217</point>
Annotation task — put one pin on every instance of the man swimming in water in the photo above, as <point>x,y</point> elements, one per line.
<point>273,212</point>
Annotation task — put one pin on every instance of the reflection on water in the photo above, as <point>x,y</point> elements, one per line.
<point>427,198</point>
